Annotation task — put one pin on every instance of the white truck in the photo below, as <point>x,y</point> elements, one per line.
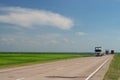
<point>98,51</point>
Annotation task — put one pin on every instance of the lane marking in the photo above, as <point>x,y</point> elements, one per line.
<point>96,70</point>
<point>20,79</point>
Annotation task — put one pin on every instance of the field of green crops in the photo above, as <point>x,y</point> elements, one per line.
<point>20,59</point>
<point>114,69</point>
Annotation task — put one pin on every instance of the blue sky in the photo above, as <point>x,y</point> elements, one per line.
<point>59,25</point>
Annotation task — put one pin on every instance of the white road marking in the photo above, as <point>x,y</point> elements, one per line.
<point>20,79</point>
<point>96,70</point>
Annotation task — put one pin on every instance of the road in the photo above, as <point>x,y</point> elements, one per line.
<point>72,69</point>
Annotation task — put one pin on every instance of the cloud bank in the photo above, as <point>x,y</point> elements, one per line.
<point>80,33</point>
<point>26,17</point>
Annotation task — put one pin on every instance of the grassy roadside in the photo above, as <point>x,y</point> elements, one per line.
<point>114,70</point>
<point>20,59</point>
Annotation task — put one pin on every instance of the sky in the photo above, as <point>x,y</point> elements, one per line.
<point>59,25</point>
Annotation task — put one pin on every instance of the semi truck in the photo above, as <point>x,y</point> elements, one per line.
<point>112,52</point>
<point>98,51</point>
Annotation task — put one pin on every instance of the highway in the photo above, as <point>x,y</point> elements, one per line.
<point>71,69</point>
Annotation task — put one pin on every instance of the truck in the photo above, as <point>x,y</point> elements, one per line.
<point>107,52</point>
<point>112,52</point>
<point>98,51</point>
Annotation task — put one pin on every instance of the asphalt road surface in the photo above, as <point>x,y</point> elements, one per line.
<point>72,69</point>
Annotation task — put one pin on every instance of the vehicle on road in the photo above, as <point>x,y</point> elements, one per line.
<point>112,52</point>
<point>107,52</point>
<point>98,51</point>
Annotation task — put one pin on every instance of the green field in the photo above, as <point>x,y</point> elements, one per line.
<point>114,69</point>
<point>20,59</point>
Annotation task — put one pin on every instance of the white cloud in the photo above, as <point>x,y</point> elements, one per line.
<point>80,33</point>
<point>48,36</point>
<point>53,42</point>
<point>38,40</point>
<point>25,17</point>
<point>66,40</point>
<point>41,40</point>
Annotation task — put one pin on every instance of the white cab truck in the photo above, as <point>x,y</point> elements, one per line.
<point>99,51</point>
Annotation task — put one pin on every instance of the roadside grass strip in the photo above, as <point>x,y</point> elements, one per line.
<point>113,72</point>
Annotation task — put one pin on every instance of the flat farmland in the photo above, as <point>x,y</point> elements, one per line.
<point>20,59</point>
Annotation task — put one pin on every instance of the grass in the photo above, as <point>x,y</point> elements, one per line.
<point>114,69</point>
<point>20,59</point>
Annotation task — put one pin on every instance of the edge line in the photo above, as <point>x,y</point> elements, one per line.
<point>96,70</point>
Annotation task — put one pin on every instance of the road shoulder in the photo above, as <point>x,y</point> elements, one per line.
<point>100,74</point>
